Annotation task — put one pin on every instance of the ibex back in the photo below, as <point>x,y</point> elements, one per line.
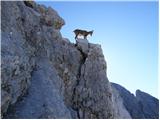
<point>82,32</point>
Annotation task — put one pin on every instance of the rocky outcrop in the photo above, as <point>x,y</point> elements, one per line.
<point>142,105</point>
<point>83,46</point>
<point>43,74</point>
<point>149,105</point>
<point>120,110</point>
<point>93,96</point>
<point>17,56</point>
<point>46,76</point>
<point>31,55</point>
<point>129,101</point>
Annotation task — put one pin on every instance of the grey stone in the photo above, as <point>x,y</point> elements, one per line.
<point>5,102</point>
<point>17,64</point>
<point>119,108</point>
<point>93,79</point>
<point>44,97</point>
<point>46,76</point>
<point>22,80</point>
<point>83,45</point>
<point>129,101</point>
<point>140,106</point>
<point>148,104</point>
<point>66,40</point>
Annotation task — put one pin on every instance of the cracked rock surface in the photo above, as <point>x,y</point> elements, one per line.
<point>45,75</point>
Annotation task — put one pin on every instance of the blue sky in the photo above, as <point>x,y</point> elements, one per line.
<point>128,34</point>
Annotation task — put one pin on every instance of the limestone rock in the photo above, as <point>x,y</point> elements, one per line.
<point>93,93</point>
<point>83,45</point>
<point>44,98</point>
<point>140,106</point>
<point>149,105</point>
<point>119,108</point>
<point>5,101</point>
<point>129,101</point>
<point>24,38</point>
<point>17,58</point>
<point>46,76</point>
<point>66,40</point>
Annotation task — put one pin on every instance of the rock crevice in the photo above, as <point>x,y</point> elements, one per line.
<point>46,76</point>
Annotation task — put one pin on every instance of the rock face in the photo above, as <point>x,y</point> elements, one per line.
<point>43,74</point>
<point>149,104</point>
<point>142,105</point>
<point>120,110</point>
<point>93,95</point>
<point>33,58</point>
<point>83,46</point>
<point>46,76</point>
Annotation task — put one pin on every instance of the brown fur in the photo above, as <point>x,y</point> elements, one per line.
<point>82,32</point>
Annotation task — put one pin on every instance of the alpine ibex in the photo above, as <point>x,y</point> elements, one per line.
<point>82,32</point>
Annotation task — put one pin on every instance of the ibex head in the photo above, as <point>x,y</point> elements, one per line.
<point>91,32</point>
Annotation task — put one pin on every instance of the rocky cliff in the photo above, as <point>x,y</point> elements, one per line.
<point>142,105</point>
<point>46,76</point>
